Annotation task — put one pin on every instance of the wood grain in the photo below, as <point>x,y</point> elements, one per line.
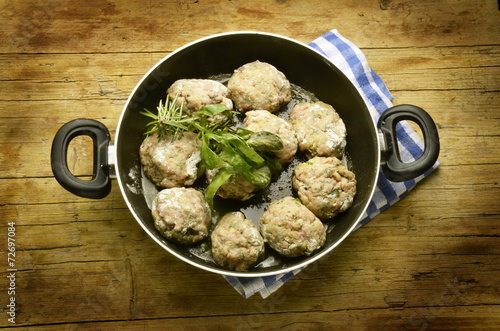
<point>429,262</point>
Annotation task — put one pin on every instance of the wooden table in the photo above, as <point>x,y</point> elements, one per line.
<point>430,262</point>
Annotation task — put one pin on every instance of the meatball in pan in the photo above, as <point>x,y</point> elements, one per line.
<point>181,214</point>
<point>259,85</point>
<point>262,120</point>
<point>325,186</point>
<point>171,163</point>
<point>236,242</point>
<point>320,130</point>
<point>196,93</point>
<point>291,229</point>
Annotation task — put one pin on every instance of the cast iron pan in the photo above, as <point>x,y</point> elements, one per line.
<point>222,54</point>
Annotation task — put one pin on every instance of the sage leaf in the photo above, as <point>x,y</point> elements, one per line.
<point>265,141</point>
<point>257,178</point>
<point>209,157</point>
<point>221,177</point>
<point>249,154</point>
<point>212,110</point>
<point>244,133</point>
<point>274,165</point>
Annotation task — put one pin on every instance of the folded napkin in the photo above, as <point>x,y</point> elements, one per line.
<point>349,58</point>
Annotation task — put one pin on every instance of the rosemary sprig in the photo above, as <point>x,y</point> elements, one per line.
<point>169,121</point>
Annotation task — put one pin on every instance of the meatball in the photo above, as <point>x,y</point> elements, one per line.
<point>262,120</point>
<point>291,229</point>
<point>236,242</point>
<point>259,85</point>
<point>171,163</point>
<point>320,130</point>
<point>181,214</point>
<point>196,93</point>
<point>236,187</point>
<point>325,186</point>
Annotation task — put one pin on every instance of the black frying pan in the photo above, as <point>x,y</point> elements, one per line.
<point>221,54</point>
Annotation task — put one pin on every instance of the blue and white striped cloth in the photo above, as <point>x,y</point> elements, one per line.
<point>349,58</point>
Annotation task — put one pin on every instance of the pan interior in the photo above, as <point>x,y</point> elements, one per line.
<point>222,54</point>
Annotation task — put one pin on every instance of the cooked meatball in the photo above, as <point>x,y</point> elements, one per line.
<point>236,187</point>
<point>196,93</point>
<point>262,120</point>
<point>320,130</point>
<point>236,242</point>
<point>171,163</point>
<point>181,214</point>
<point>325,186</point>
<point>259,85</point>
<point>291,229</point>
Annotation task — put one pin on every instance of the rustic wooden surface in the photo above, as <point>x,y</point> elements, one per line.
<point>430,262</point>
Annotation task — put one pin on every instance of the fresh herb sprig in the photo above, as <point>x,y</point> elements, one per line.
<point>231,151</point>
<point>169,120</point>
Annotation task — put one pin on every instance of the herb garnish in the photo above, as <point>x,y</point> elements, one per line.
<point>232,151</point>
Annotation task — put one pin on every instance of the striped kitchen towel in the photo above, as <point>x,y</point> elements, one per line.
<point>349,58</point>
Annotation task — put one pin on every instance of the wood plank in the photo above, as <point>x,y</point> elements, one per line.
<point>113,76</point>
<point>437,317</point>
<point>62,26</point>
<point>427,56</point>
<point>73,76</point>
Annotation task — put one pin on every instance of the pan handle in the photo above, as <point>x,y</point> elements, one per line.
<point>100,184</point>
<point>394,169</point>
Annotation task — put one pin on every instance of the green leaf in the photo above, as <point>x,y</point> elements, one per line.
<point>274,165</point>
<point>236,163</point>
<point>257,178</point>
<point>233,160</point>
<point>244,133</point>
<point>202,167</point>
<point>212,110</point>
<point>249,154</point>
<point>215,116</point>
<point>221,177</point>
<point>208,156</point>
<point>265,141</point>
